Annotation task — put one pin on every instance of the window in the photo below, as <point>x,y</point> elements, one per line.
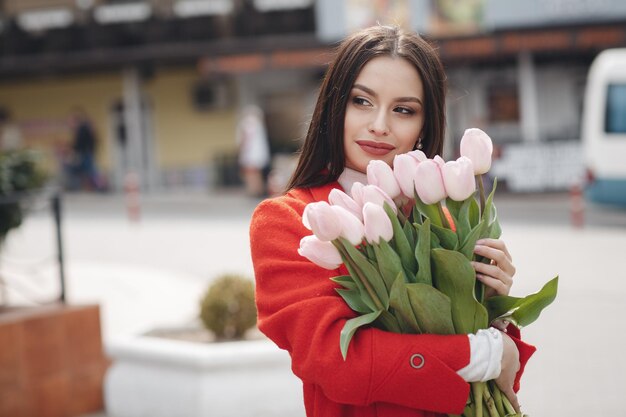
<point>615,116</point>
<point>503,103</point>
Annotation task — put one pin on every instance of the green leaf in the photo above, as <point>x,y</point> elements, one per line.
<point>401,242</point>
<point>422,254</point>
<point>447,238</point>
<point>499,305</point>
<point>417,217</point>
<point>399,301</point>
<point>432,308</point>
<point>454,276</point>
<point>459,212</point>
<point>431,211</point>
<point>409,232</point>
<point>351,327</point>
<point>488,213</point>
<point>389,263</point>
<point>368,271</point>
<point>474,213</point>
<point>495,231</point>
<point>527,309</point>
<point>453,207</point>
<point>467,247</point>
<point>345,281</point>
<point>354,300</point>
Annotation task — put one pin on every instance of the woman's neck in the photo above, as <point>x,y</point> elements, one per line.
<point>348,177</point>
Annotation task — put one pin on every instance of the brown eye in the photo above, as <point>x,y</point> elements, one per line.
<point>404,110</point>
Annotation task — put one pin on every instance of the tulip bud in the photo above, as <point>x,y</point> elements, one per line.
<point>323,254</point>
<point>377,223</point>
<point>357,193</point>
<point>373,194</point>
<point>458,177</point>
<point>320,218</point>
<point>477,146</point>
<point>439,160</point>
<point>381,175</point>
<point>418,155</point>
<point>341,199</point>
<point>404,168</point>
<point>351,228</point>
<point>429,182</point>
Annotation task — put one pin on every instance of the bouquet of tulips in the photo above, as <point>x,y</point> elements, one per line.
<point>407,238</point>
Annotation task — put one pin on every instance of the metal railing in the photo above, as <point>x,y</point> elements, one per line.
<point>52,196</point>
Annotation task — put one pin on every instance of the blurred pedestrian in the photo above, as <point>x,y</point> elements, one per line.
<point>254,151</point>
<point>82,169</point>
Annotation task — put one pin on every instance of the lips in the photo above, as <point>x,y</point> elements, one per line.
<point>375,148</point>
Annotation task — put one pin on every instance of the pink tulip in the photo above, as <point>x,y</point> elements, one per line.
<point>439,160</point>
<point>377,223</point>
<point>418,155</point>
<point>429,182</point>
<point>374,194</point>
<point>320,218</point>
<point>458,177</point>
<point>351,228</point>
<point>381,175</point>
<point>404,168</point>
<point>341,199</point>
<point>477,146</point>
<point>323,254</point>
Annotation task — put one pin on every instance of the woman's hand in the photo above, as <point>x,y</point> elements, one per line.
<point>498,275</point>
<point>510,366</point>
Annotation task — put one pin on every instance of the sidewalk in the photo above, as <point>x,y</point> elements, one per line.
<point>152,273</point>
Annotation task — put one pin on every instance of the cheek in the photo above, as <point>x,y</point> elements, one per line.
<point>408,136</point>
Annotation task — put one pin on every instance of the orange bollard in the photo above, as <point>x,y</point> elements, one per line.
<point>577,206</point>
<point>131,187</point>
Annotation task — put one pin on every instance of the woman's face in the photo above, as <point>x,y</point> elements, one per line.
<point>385,113</point>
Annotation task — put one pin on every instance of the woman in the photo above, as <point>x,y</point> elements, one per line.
<point>383,95</point>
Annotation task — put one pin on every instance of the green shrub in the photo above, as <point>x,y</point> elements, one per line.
<point>19,175</point>
<point>228,308</point>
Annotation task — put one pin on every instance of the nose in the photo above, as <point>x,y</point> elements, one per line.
<point>378,125</point>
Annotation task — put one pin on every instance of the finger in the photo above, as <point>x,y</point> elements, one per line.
<point>496,255</point>
<point>498,286</point>
<point>497,244</point>
<point>495,271</point>
<point>512,396</point>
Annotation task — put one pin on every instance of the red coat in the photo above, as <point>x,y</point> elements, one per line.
<point>301,312</point>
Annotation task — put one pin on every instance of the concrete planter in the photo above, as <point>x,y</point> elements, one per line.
<point>163,378</point>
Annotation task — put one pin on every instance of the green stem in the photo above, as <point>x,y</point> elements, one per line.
<point>481,193</point>
<point>508,407</point>
<point>389,322</point>
<point>477,390</point>
<point>489,403</point>
<point>363,279</point>
<point>497,397</point>
<point>444,219</point>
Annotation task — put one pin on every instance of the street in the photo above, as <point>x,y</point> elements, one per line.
<point>151,273</point>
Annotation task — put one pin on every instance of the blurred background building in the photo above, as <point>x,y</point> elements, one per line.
<point>163,81</point>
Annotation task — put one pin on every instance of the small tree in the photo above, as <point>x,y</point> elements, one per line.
<point>228,308</point>
<point>19,174</point>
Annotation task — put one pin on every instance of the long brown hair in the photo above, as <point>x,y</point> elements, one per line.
<point>322,157</point>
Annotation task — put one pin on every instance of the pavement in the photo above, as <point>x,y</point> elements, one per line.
<point>151,273</point>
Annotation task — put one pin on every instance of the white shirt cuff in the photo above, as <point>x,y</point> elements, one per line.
<point>485,356</point>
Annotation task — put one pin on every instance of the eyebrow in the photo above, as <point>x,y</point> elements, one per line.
<point>400,99</point>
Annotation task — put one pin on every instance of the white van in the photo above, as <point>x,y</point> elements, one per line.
<point>604,128</point>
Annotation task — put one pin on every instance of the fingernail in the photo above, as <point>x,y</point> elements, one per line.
<point>480,241</point>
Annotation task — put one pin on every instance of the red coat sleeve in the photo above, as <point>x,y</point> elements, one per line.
<point>301,312</point>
